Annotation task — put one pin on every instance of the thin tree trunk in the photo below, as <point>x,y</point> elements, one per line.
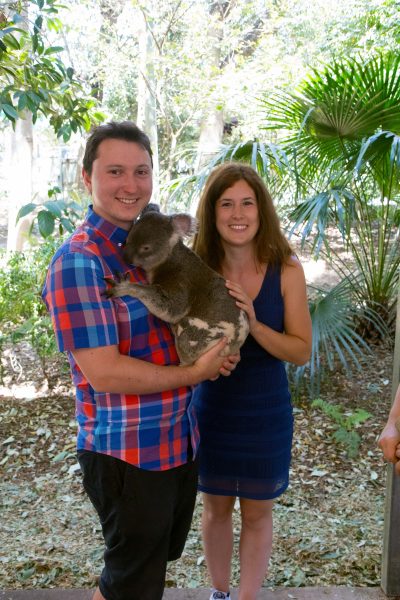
<point>20,181</point>
<point>147,105</point>
<point>212,125</point>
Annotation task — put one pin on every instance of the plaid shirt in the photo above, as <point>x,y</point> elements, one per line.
<point>150,431</point>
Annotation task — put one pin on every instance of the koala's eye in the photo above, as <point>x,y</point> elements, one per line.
<point>145,248</point>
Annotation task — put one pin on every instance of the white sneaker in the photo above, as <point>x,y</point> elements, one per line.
<point>217,595</point>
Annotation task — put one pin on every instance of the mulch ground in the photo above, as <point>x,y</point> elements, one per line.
<point>328,525</point>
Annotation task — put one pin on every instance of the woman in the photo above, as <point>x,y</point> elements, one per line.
<point>246,422</point>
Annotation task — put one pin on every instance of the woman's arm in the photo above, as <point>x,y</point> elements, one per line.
<point>109,371</point>
<point>294,345</point>
<point>389,440</point>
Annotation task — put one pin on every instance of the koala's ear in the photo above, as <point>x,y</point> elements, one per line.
<point>184,224</point>
<point>151,207</point>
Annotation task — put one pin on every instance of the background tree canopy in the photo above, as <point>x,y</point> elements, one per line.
<point>307,93</point>
<point>32,76</point>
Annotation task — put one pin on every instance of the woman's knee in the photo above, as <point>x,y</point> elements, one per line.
<point>217,509</point>
<point>256,513</point>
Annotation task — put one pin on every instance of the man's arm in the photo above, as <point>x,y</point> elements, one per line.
<point>109,371</point>
<point>389,440</point>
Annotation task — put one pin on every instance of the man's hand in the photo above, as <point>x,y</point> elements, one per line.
<point>209,364</point>
<point>389,443</point>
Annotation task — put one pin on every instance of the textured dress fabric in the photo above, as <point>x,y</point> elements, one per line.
<point>246,419</point>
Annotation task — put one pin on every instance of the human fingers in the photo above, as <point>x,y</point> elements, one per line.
<point>397,451</point>
<point>243,301</point>
<point>388,447</point>
<point>237,291</point>
<point>209,363</point>
<point>231,361</point>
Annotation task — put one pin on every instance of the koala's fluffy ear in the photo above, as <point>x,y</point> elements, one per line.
<point>184,224</point>
<point>151,207</point>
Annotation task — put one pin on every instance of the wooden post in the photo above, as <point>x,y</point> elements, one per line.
<point>391,537</point>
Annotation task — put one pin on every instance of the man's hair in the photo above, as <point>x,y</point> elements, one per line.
<point>123,130</point>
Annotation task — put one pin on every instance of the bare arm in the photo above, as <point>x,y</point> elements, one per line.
<point>294,345</point>
<point>109,371</point>
<point>389,440</point>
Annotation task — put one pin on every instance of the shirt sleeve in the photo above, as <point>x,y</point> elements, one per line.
<point>81,316</point>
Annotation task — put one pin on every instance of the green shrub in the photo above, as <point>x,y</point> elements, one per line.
<point>23,315</point>
<point>344,424</point>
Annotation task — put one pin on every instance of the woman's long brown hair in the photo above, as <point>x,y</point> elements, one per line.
<point>271,247</point>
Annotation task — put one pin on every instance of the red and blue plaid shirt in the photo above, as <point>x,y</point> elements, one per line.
<point>150,431</point>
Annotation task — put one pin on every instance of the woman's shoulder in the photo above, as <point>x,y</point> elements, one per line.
<point>292,262</point>
<point>292,272</point>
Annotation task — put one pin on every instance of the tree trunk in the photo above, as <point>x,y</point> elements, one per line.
<point>212,124</point>
<point>147,105</point>
<point>20,181</point>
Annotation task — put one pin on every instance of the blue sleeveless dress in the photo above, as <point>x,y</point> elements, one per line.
<point>246,419</point>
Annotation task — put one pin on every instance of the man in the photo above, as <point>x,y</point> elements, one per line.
<point>389,440</point>
<point>137,436</point>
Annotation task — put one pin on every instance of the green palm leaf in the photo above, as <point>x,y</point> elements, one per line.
<point>333,315</point>
<point>268,159</point>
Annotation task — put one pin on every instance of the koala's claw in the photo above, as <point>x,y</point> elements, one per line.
<point>109,292</point>
<point>113,282</point>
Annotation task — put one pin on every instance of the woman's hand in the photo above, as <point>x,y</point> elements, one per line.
<point>242,301</point>
<point>229,364</point>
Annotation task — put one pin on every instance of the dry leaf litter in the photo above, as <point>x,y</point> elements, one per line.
<point>327,526</point>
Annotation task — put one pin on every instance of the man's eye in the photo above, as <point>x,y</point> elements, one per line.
<point>142,173</point>
<point>115,171</point>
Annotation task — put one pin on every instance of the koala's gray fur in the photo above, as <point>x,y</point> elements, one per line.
<point>182,289</point>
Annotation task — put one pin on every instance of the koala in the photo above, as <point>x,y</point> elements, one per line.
<point>182,289</point>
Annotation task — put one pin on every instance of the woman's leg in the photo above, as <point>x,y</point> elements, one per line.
<point>218,538</point>
<point>255,545</point>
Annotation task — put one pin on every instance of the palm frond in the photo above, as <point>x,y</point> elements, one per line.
<point>312,217</point>
<point>268,159</point>
<point>335,316</point>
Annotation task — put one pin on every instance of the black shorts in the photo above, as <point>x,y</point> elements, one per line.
<point>145,518</point>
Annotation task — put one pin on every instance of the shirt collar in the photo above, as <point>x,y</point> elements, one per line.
<point>105,228</point>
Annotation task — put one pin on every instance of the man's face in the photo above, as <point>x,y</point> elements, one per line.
<point>121,181</point>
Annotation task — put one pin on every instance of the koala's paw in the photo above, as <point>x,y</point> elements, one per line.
<point>112,291</point>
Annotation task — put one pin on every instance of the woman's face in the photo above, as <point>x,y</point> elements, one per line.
<point>236,215</point>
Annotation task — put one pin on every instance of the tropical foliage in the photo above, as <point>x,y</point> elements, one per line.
<point>329,150</point>
<point>32,75</point>
<point>342,131</point>
<point>341,135</point>
<point>23,315</point>
<point>335,170</point>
